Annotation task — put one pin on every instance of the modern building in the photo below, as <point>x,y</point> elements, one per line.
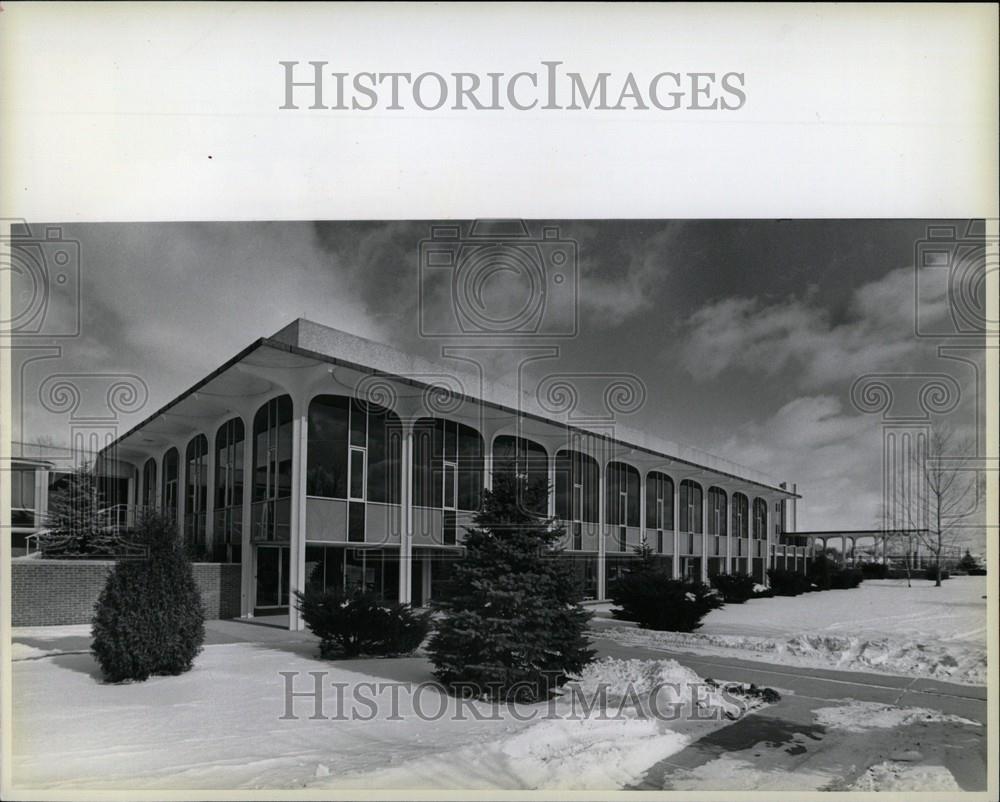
<point>317,456</point>
<point>37,471</point>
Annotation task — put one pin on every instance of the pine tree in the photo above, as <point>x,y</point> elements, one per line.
<point>514,628</point>
<point>74,522</point>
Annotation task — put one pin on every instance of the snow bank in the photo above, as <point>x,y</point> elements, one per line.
<point>729,773</point>
<point>577,746</point>
<point>863,716</point>
<point>585,754</point>
<point>892,776</point>
<point>957,661</point>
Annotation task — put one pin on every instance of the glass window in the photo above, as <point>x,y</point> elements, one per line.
<point>385,455</point>
<point>470,468</point>
<point>358,473</point>
<point>691,507</point>
<point>740,515</point>
<point>22,490</point>
<point>196,480</point>
<point>759,519</point>
<point>716,511</point>
<point>228,513</point>
<point>168,495</point>
<point>328,437</point>
<point>356,522</point>
<point>272,460</point>
<point>449,486</point>
<point>622,494</point>
<point>359,423</point>
<point>149,484</point>
<point>525,459</point>
<point>435,443</point>
<point>659,501</point>
<point>577,486</point>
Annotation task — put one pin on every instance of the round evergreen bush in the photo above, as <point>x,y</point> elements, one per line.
<point>648,595</point>
<point>149,618</point>
<point>735,588</point>
<point>353,624</point>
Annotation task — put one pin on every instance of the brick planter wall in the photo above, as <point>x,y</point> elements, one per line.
<point>51,592</point>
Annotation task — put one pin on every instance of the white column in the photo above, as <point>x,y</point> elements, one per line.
<point>297,527</point>
<point>406,515</point>
<point>601,533</point>
<point>551,463</point>
<point>642,508</point>
<point>677,526</point>
<point>729,533</point>
<point>41,476</point>
<point>248,556</point>
<point>704,534</point>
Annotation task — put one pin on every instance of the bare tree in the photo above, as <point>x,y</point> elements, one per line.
<point>896,539</point>
<point>940,493</point>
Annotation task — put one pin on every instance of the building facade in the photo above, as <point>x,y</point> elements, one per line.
<point>317,456</point>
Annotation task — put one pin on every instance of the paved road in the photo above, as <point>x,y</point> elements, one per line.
<point>785,743</point>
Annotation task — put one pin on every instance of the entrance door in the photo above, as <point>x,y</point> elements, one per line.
<point>272,578</point>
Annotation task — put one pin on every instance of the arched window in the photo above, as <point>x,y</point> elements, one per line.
<point>354,450</point>
<point>577,486</point>
<point>659,505</point>
<point>447,470</point>
<point>149,484</point>
<point>272,470</point>
<point>759,519</point>
<point>196,498</point>
<point>229,450</point>
<point>577,491</point>
<point>717,511</point>
<point>659,501</point>
<point>690,512</point>
<point>622,495</point>
<point>168,495</point>
<point>526,459</point>
<point>622,499</point>
<point>741,516</point>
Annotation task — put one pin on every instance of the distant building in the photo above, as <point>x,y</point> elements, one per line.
<point>37,470</point>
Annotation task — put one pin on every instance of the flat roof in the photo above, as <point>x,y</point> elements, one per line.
<point>326,344</point>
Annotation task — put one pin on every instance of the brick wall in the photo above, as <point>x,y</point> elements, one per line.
<point>50,592</point>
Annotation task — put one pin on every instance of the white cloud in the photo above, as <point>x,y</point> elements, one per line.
<point>828,453</point>
<point>746,334</point>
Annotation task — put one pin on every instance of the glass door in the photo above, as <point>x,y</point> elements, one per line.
<point>272,577</point>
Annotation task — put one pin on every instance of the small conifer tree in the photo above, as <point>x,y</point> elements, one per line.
<point>513,629</point>
<point>74,525</point>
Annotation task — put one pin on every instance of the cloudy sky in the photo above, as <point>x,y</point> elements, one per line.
<point>748,335</point>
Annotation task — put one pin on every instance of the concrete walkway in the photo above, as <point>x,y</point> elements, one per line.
<point>782,747</point>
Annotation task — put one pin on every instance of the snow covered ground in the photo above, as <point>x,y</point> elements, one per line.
<point>882,626</point>
<point>224,725</point>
